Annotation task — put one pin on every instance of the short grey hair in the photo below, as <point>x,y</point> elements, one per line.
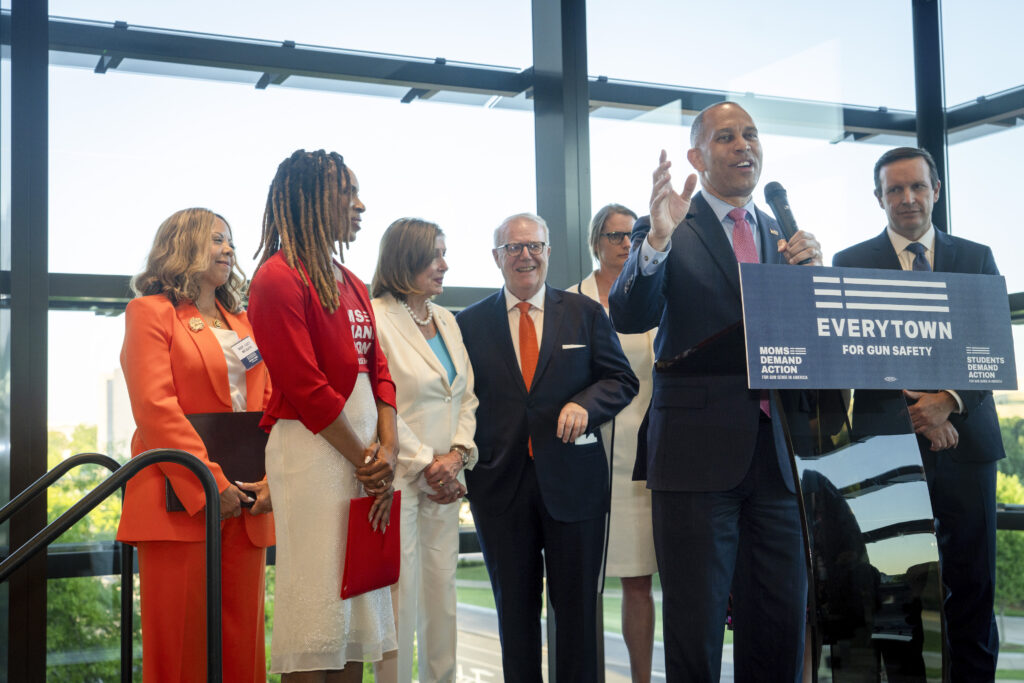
<point>515,217</point>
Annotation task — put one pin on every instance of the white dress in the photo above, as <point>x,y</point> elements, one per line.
<point>630,534</point>
<point>312,484</point>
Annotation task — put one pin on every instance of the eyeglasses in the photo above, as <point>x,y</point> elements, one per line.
<point>615,237</point>
<point>516,248</point>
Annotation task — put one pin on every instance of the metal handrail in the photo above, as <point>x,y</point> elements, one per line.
<point>127,590</point>
<point>44,482</point>
<point>114,482</point>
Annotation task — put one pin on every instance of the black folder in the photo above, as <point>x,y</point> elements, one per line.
<point>234,441</point>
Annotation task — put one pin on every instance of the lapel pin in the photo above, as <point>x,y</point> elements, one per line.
<point>773,231</point>
<point>195,323</point>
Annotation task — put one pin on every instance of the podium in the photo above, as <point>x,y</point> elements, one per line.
<point>876,598</point>
<point>874,594</point>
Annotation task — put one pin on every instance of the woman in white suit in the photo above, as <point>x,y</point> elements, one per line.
<point>630,552</point>
<point>436,423</point>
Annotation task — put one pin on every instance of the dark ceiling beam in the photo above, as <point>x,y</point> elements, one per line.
<point>276,59</point>
<point>1004,109</point>
<point>275,62</point>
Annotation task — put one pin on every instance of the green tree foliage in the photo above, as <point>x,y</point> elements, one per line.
<point>83,623</point>
<point>1009,549</point>
<point>1012,429</point>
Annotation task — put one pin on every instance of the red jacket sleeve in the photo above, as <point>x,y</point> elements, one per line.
<point>279,305</point>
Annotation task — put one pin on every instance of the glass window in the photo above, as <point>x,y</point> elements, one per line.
<point>127,150</point>
<point>489,32</point>
<point>88,412</point>
<point>810,50</point>
<point>981,47</point>
<point>829,185</point>
<point>982,175</point>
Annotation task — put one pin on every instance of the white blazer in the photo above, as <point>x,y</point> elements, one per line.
<point>432,414</point>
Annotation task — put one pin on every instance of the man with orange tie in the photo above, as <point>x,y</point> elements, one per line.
<point>549,371</point>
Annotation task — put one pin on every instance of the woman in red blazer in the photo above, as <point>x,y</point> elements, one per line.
<point>177,360</point>
<point>331,418</point>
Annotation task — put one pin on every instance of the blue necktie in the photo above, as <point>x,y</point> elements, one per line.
<point>920,260</point>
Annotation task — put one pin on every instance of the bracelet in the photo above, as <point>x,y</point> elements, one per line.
<point>463,453</point>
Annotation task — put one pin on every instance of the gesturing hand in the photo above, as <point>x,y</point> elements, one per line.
<point>668,207</point>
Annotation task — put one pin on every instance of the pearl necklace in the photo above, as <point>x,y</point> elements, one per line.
<point>430,314</point>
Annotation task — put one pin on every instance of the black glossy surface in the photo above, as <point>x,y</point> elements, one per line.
<point>875,602</point>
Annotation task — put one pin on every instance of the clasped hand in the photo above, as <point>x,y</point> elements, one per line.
<point>929,414</point>
<point>376,475</point>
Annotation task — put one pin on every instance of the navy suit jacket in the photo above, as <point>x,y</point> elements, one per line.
<point>579,360</point>
<point>978,425</point>
<point>702,430</point>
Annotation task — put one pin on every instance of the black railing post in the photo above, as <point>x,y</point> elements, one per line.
<point>106,488</point>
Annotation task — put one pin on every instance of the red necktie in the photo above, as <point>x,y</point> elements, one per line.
<point>527,350</point>
<point>746,252</point>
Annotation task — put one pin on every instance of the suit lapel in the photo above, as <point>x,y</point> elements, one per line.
<point>209,350</point>
<point>945,253</point>
<point>770,236</point>
<point>703,221</point>
<point>885,255</point>
<point>552,330</point>
<point>415,342</point>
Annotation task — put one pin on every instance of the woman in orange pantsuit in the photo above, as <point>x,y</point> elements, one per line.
<point>177,360</point>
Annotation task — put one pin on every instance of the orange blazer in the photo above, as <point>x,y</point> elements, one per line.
<point>172,370</point>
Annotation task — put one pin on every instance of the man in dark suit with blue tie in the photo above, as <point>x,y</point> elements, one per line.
<point>549,371</point>
<point>958,431</point>
<point>723,501</point>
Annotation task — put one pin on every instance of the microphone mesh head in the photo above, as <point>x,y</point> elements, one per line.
<point>773,190</point>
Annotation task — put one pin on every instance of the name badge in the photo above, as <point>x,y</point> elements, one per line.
<point>247,352</point>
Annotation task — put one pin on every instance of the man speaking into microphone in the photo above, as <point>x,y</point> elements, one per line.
<point>724,506</point>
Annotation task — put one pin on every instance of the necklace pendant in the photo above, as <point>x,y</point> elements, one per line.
<point>195,323</point>
<point>218,324</point>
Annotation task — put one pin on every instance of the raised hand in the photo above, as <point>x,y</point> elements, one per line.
<point>668,207</point>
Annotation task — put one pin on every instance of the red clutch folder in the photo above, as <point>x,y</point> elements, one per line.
<point>372,558</point>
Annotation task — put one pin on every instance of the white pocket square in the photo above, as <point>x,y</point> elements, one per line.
<point>573,346</point>
<point>586,439</point>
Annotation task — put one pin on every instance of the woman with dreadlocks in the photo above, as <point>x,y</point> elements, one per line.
<point>331,419</point>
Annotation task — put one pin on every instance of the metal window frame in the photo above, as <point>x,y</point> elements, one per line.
<point>563,97</point>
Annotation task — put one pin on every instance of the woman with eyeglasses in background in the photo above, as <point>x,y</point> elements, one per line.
<point>630,552</point>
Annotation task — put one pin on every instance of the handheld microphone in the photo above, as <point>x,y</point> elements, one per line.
<point>775,195</point>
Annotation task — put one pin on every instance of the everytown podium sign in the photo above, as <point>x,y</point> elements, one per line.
<point>859,328</point>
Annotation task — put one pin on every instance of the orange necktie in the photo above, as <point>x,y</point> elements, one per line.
<point>527,350</point>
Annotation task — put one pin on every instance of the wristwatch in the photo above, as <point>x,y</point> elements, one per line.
<point>463,452</point>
